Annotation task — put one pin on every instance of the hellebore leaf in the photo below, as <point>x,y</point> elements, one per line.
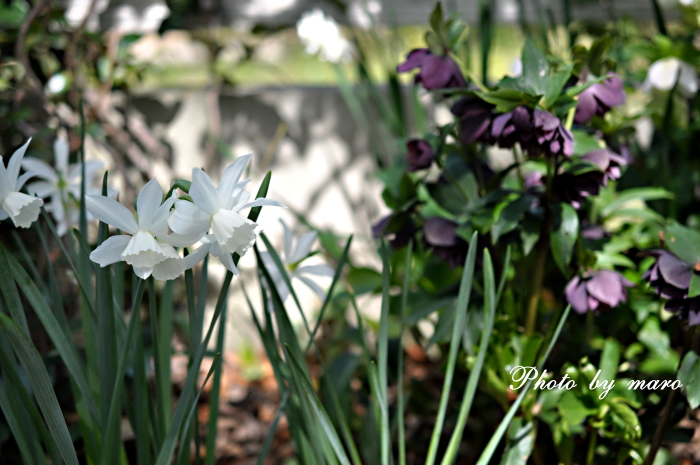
<point>535,68</point>
<point>510,216</point>
<point>684,242</point>
<point>564,233</point>
<point>689,375</point>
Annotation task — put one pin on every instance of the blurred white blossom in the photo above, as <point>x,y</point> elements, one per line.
<point>663,73</point>
<point>364,13</point>
<point>296,250</point>
<point>62,184</point>
<point>320,34</point>
<point>21,208</point>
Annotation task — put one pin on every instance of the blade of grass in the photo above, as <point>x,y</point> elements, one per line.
<point>457,333</point>
<point>10,293</point>
<point>210,443</point>
<point>382,358</point>
<point>64,345</point>
<point>160,423</point>
<point>142,396</point>
<point>492,445</point>
<point>267,443</point>
<point>310,396</point>
<point>41,385</point>
<point>400,407</point>
<point>112,444</point>
<point>490,310</point>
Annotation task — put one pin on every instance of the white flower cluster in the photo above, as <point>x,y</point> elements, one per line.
<point>149,247</point>
<point>320,34</point>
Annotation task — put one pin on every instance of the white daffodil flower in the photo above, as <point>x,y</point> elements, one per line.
<point>63,185</point>
<point>147,247</point>
<point>663,73</point>
<point>218,209</point>
<point>296,250</point>
<point>21,208</point>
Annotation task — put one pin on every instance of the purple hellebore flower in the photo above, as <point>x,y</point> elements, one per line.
<point>440,234</point>
<point>537,131</point>
<point>399,232</point>
<point>671,277</point>
<point>599,98</point>
<point>436,71</point>
<point>597,290</point>
<point>575,188</point>
<point>474,117</point>
<point>420,154</point>
<point>608,161</point>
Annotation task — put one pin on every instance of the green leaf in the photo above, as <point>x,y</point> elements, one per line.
<point>507,99</point>
<point>584,142</point>
<point>364,280</point>
<point>434,43</point>
<point>628,417</point>
<point>684,242</point>
<point>629,195</point>
<point>463,298</point>
<point>41,385</point>
<point>572,410</point>
<point>493,443</point>
<point>490,303</point>
<point>521,440</point>
<point>564,233</point>
<point>556,84</point>
<point>510,216</point>
<point>436,18</point>
<point>609,360</point>
<point>694,289</point>
<point>310,397</point>
<point>689,375</point>
<point>535,68</point>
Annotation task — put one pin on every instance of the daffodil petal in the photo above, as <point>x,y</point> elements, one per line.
<point>182,240</point>
<point>314,287</point>
<point>229,180</point>
<point>227,261</point>
<point>143,272</point>
<point>147,203</point>
<point>171,267</point>
<point>41,188</point>
<point>23,179</point>
<point>303,246</point>
<point>159,221</point>
<point>318,270</point>
<point>203,192</point>
<point>61,151</point>
<point>110,251</point>
<point>233,232</point>
<point>287,241</point>
<point>41,168</point>
<point>197,256</point>
<point>15,162</point>
<point>23,209</point>
<point>143,251</point>
<point>263,202</point>
<point>111,212</point>
<point>187,218</point>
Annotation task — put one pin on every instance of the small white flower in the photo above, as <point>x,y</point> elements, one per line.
<point>217,208</point>
<point>63,184</point>
<point>147,247</point>
<point>321,34</point>
<point>21,208</point>
<point>296,250</point>
<point>663,73</point>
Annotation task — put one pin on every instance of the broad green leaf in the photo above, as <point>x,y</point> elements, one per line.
<point>628,416</point>
<point>694,289</point>
<point>564,233</point>
<point>584,142</point>
<point>510,216</point>
<point>436,18</point>
<point>535,68</point>
<point>556,84</point>
<point>628,195</point>
<point>41,385</point>
<point>684,242</point>
<point>572,409</point>
<point>609,360</point>
<point>507,99</point>
<point>689,375</point>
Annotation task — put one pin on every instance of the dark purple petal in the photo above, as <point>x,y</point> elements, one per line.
<point>522,120</point>
<point>475,118</point>
<point>606,287</point>
<point>694,318</point>
<point>420,154</point>
<point>413,60</point>
<point>599,99</point>
<point>674,271</point>
<point>545,121</point>
<point>587,106</point>
<point>380,226</point>
<point>440,232</point>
